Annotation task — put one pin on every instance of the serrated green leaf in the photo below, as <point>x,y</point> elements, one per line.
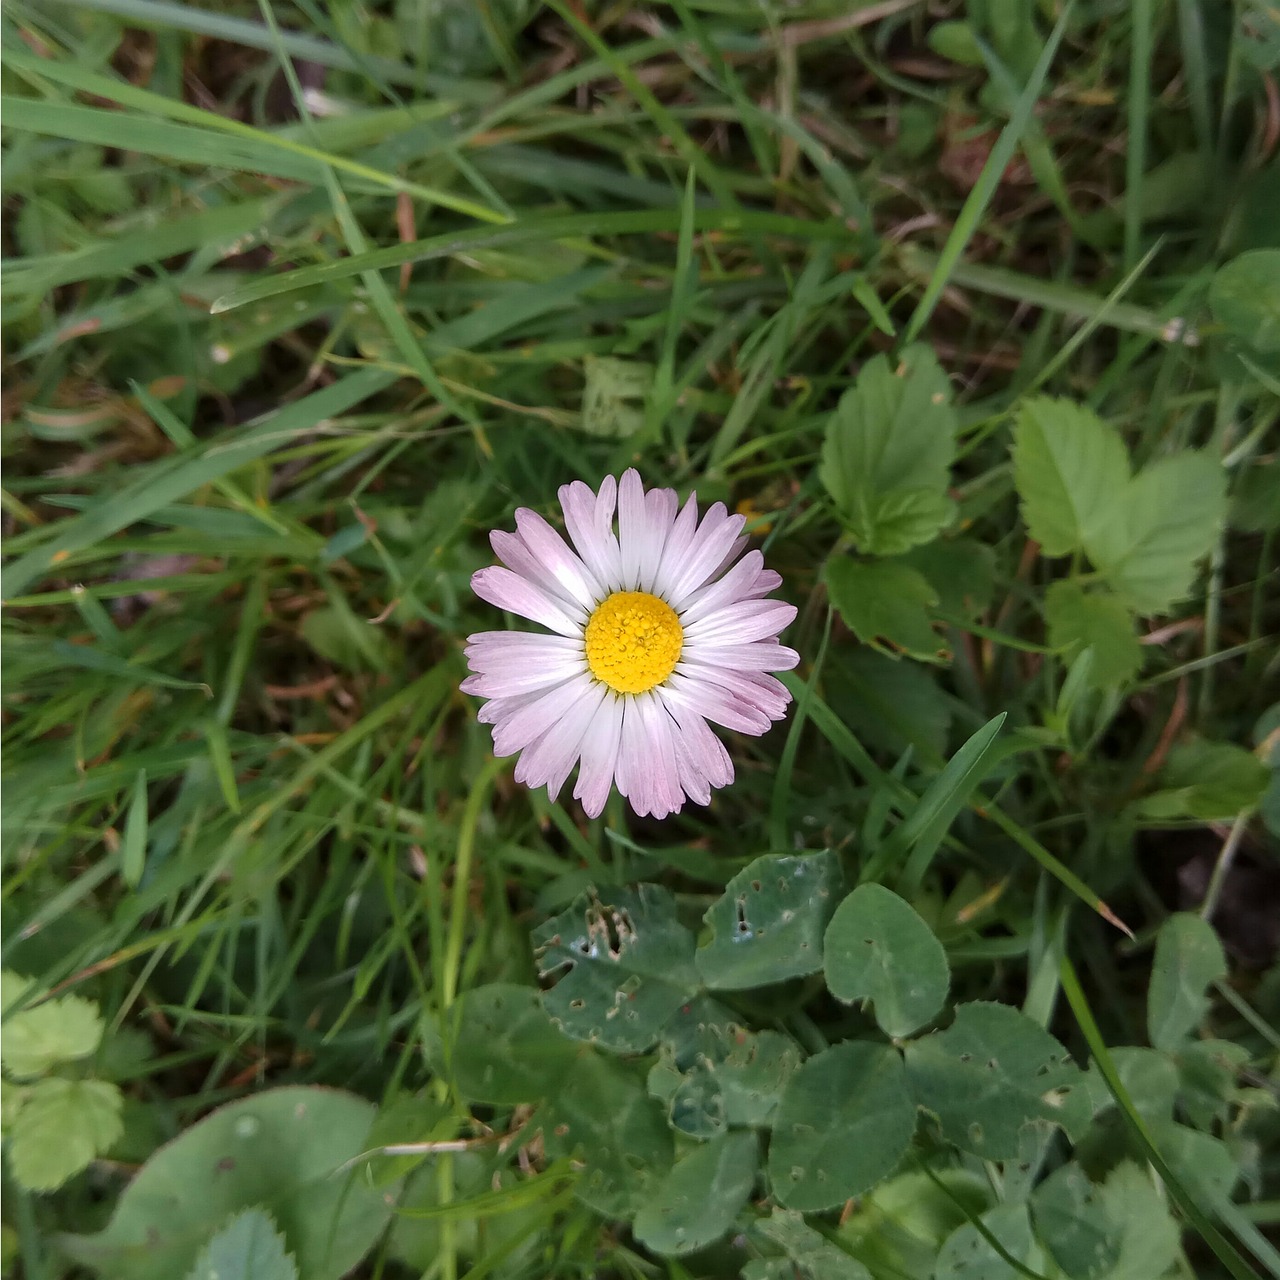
<point>992,1072</point>
<point>247,1248</point>
<point>697,1202</point>
<point>1245,298</point>
<point>37,1038</point>
<point>1071,470</point>
<point>1188,960</point>
<point>506,1049</point>
<point>60,1128</point>
<point>622,964</point>
<point>1080,620</point>
<point>291,1150</point>
<point>808,1255</point>
<point>885,604</point>
<point>768,925</point>
<point>878,948</point>
<point>844,1122</point>
<point>886,460</point>
<point>1170,515</point>
<point>1206,780</point>
<point>603,1115</point>
<point>967,1254</point>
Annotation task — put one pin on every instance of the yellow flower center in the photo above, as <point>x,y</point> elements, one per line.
<point>633,641</point>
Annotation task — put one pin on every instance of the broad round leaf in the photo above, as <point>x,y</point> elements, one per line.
<point>844,1122</point>
<point>967,1254</point>
<point>878,948</point>
<point>286,1150</point>
<point>506,1049</point>
<point>697,1202</point>
<point>768,926</point>
<point>1245,298</point>
<point>993,1071</point>
<point>602,1115</point>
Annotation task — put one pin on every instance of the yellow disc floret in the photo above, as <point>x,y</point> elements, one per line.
<point>633,641</point>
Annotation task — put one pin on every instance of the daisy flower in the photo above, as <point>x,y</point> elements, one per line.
<point>657,628</point>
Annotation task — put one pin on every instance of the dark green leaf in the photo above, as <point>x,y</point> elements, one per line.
<point>1245,298</point>
<point>845,1121</point>
<point>886,604</point>
<point>992,1072</point>
<point>697,1202</point>
<point>1188,960</point>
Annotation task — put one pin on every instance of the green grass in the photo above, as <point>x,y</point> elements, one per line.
<point>285,339</point>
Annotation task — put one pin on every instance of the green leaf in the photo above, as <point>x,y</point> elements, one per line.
<point>1245,298</point>
<point>289,1151</point>
<point>713,1073</point>
<point>808,1255</point>
<point>622,962</point>
<point>697,1202</point>
<point>844,1122</point>
<point>885,604</point>
<point>248,1248</point>
<point>768,925</point>
<point>887,456</point>
<point>613,397</point>
<point>1080,620</point>
<point>1071,471</point>
<point>61,1126</point>
<point>1188,960</point>
<point>877,948</point>
<point>1206,780</point>
<point>1119,1230</point>
<point>1204,1164</point>
<point>1168,519</point>
<point>602,1115</point>
<point>967,1254</point>
<point>992,1072</point>
<point>506,1049</point>
<point>37,1038</point>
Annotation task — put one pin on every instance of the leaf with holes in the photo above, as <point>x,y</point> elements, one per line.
<point>878,948</point>
<point>602,1115</point>
<point>844,1122</point>
<point>713,1073</point>
<point>1189,959</point>
<point>697,1202</point>
<point>505,1048</point>
<point>886,460</point>
<point>993,1071</point>
<point>768,925</point>
<point>622,965</point>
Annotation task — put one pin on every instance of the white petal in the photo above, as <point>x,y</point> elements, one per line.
<point>660,513</point>
<point>531,720</point>
<point>679,539</point>
<point>734,586</point>
<point>599,757</point>
<point>742,623</point>
<point>633,525</point>
<point>589,520</point>
<point>499,651</point>
<point>509,684</point>
<point>715,703</point>
<point>549,760</point>
<point>748,688</point>
<point>716,535</point>
<point>518,595</point>
<point>707,751</point>
<point>667,794</point>
<point>760,655</point>
<point>562,564</point>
